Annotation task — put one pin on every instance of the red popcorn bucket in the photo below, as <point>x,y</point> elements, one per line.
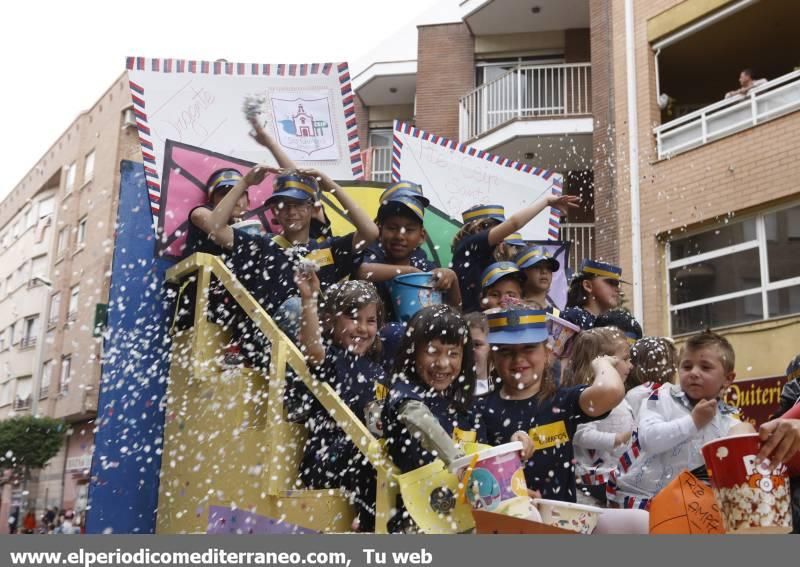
<point>753,498</point>
<point>560,334</point>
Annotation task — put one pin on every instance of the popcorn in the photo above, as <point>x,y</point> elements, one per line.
<point>745,507</point>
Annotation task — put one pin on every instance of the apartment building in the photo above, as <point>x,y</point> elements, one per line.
<point>56,241</point>
<point>513,78</point>
<point>718,177</point>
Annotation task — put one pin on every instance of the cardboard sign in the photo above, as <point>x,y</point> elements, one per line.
<point>756,399</point>
<point>685,506</point>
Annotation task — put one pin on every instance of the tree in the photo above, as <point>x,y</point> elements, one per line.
<point>28,442</point>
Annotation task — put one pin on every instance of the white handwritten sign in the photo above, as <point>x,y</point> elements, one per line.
<point>456,177</point>
<point>307,107</point>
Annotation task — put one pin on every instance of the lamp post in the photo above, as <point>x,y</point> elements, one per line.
<point>37,361</point>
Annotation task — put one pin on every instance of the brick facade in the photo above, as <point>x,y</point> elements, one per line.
<point>445,72</point>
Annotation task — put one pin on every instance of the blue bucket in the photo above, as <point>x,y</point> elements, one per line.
<point>412,292</point>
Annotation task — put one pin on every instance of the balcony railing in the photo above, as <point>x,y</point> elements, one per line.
<point>27,342</point>
<point>726,117</point>
<point>380,163</point>
<point>581,235</point>
<point>22,403</point>
<point>527,91</point>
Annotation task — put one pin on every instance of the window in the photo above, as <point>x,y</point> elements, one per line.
<point>10,283</point>
<point>46,207</point>
<point>12,334</point>
<point>15,231</point>
<point>55,308</point>
<point>5,393</point>
<point>38,270</point>
<point>28,219</point>
<point>30,331</point>
<point>66,372</point>
<point>63,242</point>
<point>24,394</point>
<point>47,374</point>
<point>738,272</point>
<point>88,167</point>
<point>21,275</point>
<point>4,240</point>
<point>72,313</point>
<point>82,231</point>
<point>2,341</point>
<point>69,177</point>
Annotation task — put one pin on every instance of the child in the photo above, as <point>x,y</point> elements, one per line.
<point>429,405</point>
<point>342,352</point>
<point>528,400</point>
<point>479,331</point>
<point>599,444</point>
<point>791,390</point>
<point>592,291</point>
<point>479,242</point>
<point>676,421</point>
<point>401,233</point>
<point>501,283</point>
<point>654,362</point>
<point>538,266</point>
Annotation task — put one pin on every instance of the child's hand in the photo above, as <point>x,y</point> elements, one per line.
<point>704,412</point>
<point>622,438</point>
<point>534,494</point>
<point>563,202</point>
<point>527,444</point>
<point>604,361</point>
<point>325,182</point>
<point>780,440</point>
<point>307,284</point>
<point>444,278</point>
<point>259,134</point>
<point>257,174</point>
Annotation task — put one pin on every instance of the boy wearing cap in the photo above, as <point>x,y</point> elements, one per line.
<point>529,400</point>
<point>397,251</point>
<point>501,285</point>
<point>538,266</point>
<point>592,291</point>
<point>480,241</point>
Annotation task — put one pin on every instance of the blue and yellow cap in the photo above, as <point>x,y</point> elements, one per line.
<point>534,255</point>
<point>496,212</point>
<point>222,179</point>
<point>404,189</point>
<point>601,270</point>
<point>517,326</point>
<point>294,186</point>
<point>398,202</point>
<point>500,270</point>
<point>515,239</point>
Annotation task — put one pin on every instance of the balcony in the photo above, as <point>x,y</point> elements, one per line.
<point>727,117</point>
<point>27,342</point>
<point>541,99</point>
<point>22,403</point>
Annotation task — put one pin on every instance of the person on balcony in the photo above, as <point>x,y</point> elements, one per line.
<point>746,82</point>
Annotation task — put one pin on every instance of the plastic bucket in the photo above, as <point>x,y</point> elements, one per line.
<point>250,226</point>
<point>412,292</point>
<point>559,335</point>
<point>568,515</point>
<point>494,480</point>
<point>753,498</point>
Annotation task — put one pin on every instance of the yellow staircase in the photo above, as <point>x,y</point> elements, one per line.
<point>227,440</point>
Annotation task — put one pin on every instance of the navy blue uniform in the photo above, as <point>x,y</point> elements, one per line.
<point>330,459</point>
<point>551,423</point>
<point>406,451</point>
<point>375,254</point>
<point>470,258</point>
<point>579,316</point>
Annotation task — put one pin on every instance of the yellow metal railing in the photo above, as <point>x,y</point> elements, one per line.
<point>283,353</point>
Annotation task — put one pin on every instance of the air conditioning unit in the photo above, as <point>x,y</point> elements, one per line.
<point>128,118</point>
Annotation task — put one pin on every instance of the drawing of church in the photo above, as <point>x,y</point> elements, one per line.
<point>303,123</point>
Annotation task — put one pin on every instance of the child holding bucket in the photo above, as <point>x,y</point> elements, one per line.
<point>397,251</point>
<point>529,400</point>
<point>676,421</point>
<point>593,290</point>
<point>599,444</point>
<point>480,241</point>
<point>341,351</point>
